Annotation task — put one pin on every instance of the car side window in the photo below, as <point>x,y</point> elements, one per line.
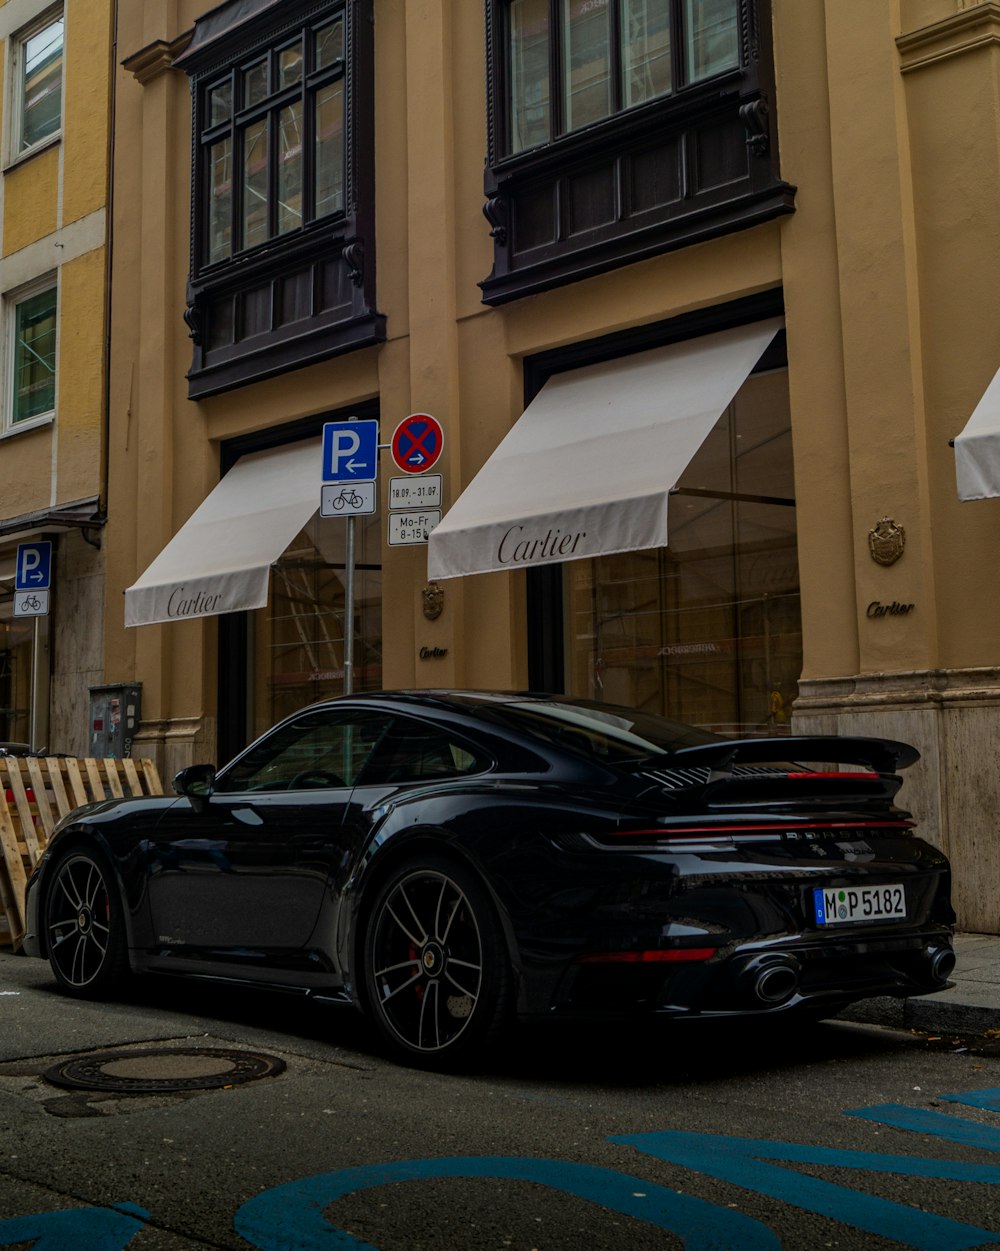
<point>412,751</point>
<point>317,751</point>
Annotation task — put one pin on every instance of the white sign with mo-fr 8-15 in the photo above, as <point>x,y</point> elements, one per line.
<point>413,526</point>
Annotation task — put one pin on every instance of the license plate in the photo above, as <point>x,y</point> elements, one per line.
<point>839,905</point>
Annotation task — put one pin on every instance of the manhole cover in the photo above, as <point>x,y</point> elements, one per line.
<point>161,1071</point>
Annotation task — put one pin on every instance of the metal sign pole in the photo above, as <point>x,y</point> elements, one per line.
<point>349,610</point>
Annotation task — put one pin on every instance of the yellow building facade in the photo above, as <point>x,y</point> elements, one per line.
<point>54,274</point>
<point>783,209</point>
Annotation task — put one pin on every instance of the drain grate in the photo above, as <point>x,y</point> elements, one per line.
<point>161,1071</point>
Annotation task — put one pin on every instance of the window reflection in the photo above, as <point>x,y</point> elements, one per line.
<point>712,44</point>
<point>646,69</point>
<point>41,84</point>
<point>707,630</point>
<point>289,67</point>
<point>330,150</point>
<point>587,77</point>
<point>35,356</point>
<point>290,168</point>
<point>299,637</point>
<point>329,44</point>
<point>255,84</point>
<point>220,194</point>
<point>530,121</point>
<point>255,184</point>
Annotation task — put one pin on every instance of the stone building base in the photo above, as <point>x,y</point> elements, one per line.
<point>952,716</point>
<point>172,745</point>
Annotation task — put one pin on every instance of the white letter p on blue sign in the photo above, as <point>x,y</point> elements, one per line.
<point>350,451</point>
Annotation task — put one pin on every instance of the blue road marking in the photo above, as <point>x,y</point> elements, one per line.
<point>290,1217</point>
<point>940,1125</point>
<point>79,1229</point>
<point>988,1098</point>
<point>746,1162</point>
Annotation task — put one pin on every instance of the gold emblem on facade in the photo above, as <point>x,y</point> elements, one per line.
<point>886,541</point>
<point>433,601</point>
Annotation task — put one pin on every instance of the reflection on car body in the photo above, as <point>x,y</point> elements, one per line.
<point>450,861</point>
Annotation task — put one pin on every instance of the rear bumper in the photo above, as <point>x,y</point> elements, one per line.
<point>761,978</point>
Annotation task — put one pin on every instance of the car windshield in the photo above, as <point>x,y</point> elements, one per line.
<point>612,734</point>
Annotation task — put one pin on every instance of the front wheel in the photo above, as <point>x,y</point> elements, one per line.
<point>436,969</point>
<point>85,927</point>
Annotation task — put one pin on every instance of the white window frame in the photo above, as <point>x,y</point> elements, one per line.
<point>15,69</point>
<point>11,302</point>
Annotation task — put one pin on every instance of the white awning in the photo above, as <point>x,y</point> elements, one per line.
<point>977,449</point>
<point>587,468</point>
<point>220,558</point>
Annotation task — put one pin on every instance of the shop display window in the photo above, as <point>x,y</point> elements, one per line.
<point>16,641</point>
<point>297,641</point>
<point>707,630</point>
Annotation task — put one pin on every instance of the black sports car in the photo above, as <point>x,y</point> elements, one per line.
<point>448,860</point>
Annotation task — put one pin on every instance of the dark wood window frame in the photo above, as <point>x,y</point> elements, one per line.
<point>307,294</point>
<point>677,169</point>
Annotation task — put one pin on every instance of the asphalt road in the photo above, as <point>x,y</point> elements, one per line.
<point>573,1140</point>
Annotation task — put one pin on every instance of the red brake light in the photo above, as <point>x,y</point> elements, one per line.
<point>673,831</point>
<point>674,955</point>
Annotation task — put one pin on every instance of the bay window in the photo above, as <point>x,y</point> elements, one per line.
<point>283,242</point>
<point>622,128</point>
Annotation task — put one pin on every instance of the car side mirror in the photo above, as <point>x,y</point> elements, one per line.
<point>196,781</point>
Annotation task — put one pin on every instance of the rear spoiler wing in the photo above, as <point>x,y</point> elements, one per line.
<point>881,754</point>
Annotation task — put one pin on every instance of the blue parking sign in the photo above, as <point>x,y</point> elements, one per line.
<point>33,571</point>
<point>350,451</point>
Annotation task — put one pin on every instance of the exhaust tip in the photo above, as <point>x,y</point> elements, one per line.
<point>940,963</point>
<point>770,981</point>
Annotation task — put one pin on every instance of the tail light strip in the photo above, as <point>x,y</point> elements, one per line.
<point>788,827</point>
<point>676,955</point>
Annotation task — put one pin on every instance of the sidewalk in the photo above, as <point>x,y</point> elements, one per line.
<point>970,1006</point>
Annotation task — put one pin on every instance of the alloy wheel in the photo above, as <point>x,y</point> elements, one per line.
<point>426,960</point>
<point>84,949</point>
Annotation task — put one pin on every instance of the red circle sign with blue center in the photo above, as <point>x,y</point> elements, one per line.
<point>417,443</point>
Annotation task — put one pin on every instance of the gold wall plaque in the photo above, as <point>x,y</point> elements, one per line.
<point>886,541</point>
<point>433,601</point>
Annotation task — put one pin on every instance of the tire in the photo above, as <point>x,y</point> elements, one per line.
<point>85,927</point>
<point>437,975</point>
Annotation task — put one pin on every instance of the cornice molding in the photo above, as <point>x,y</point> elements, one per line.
<point>156,58</point>
<point>975,27</point>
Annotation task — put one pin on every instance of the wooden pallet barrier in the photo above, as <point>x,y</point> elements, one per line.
<point>35,793</point>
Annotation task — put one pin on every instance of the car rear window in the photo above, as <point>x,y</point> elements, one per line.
<point>614,735</point>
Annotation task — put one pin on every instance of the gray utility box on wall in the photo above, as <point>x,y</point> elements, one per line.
<point>114,718</point>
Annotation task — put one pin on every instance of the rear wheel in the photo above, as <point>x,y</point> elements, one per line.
<point>85,927</point>
<point>436,968</point>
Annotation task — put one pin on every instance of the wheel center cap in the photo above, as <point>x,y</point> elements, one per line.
<point>83,920</point>
<point>432,959</point>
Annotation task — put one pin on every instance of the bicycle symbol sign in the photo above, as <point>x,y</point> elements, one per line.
<point>417,443</point>
<point>345,499</point>
<point>31,603</point>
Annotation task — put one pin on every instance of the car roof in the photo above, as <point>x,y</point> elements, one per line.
<point>464,700</point>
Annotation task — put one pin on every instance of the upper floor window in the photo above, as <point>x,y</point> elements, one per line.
<point>283,187</point>
<point>272,142</point>
<point>618,129</point>
<point>575,62</point>
<point>31,389</point>
<point>38,73</point>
